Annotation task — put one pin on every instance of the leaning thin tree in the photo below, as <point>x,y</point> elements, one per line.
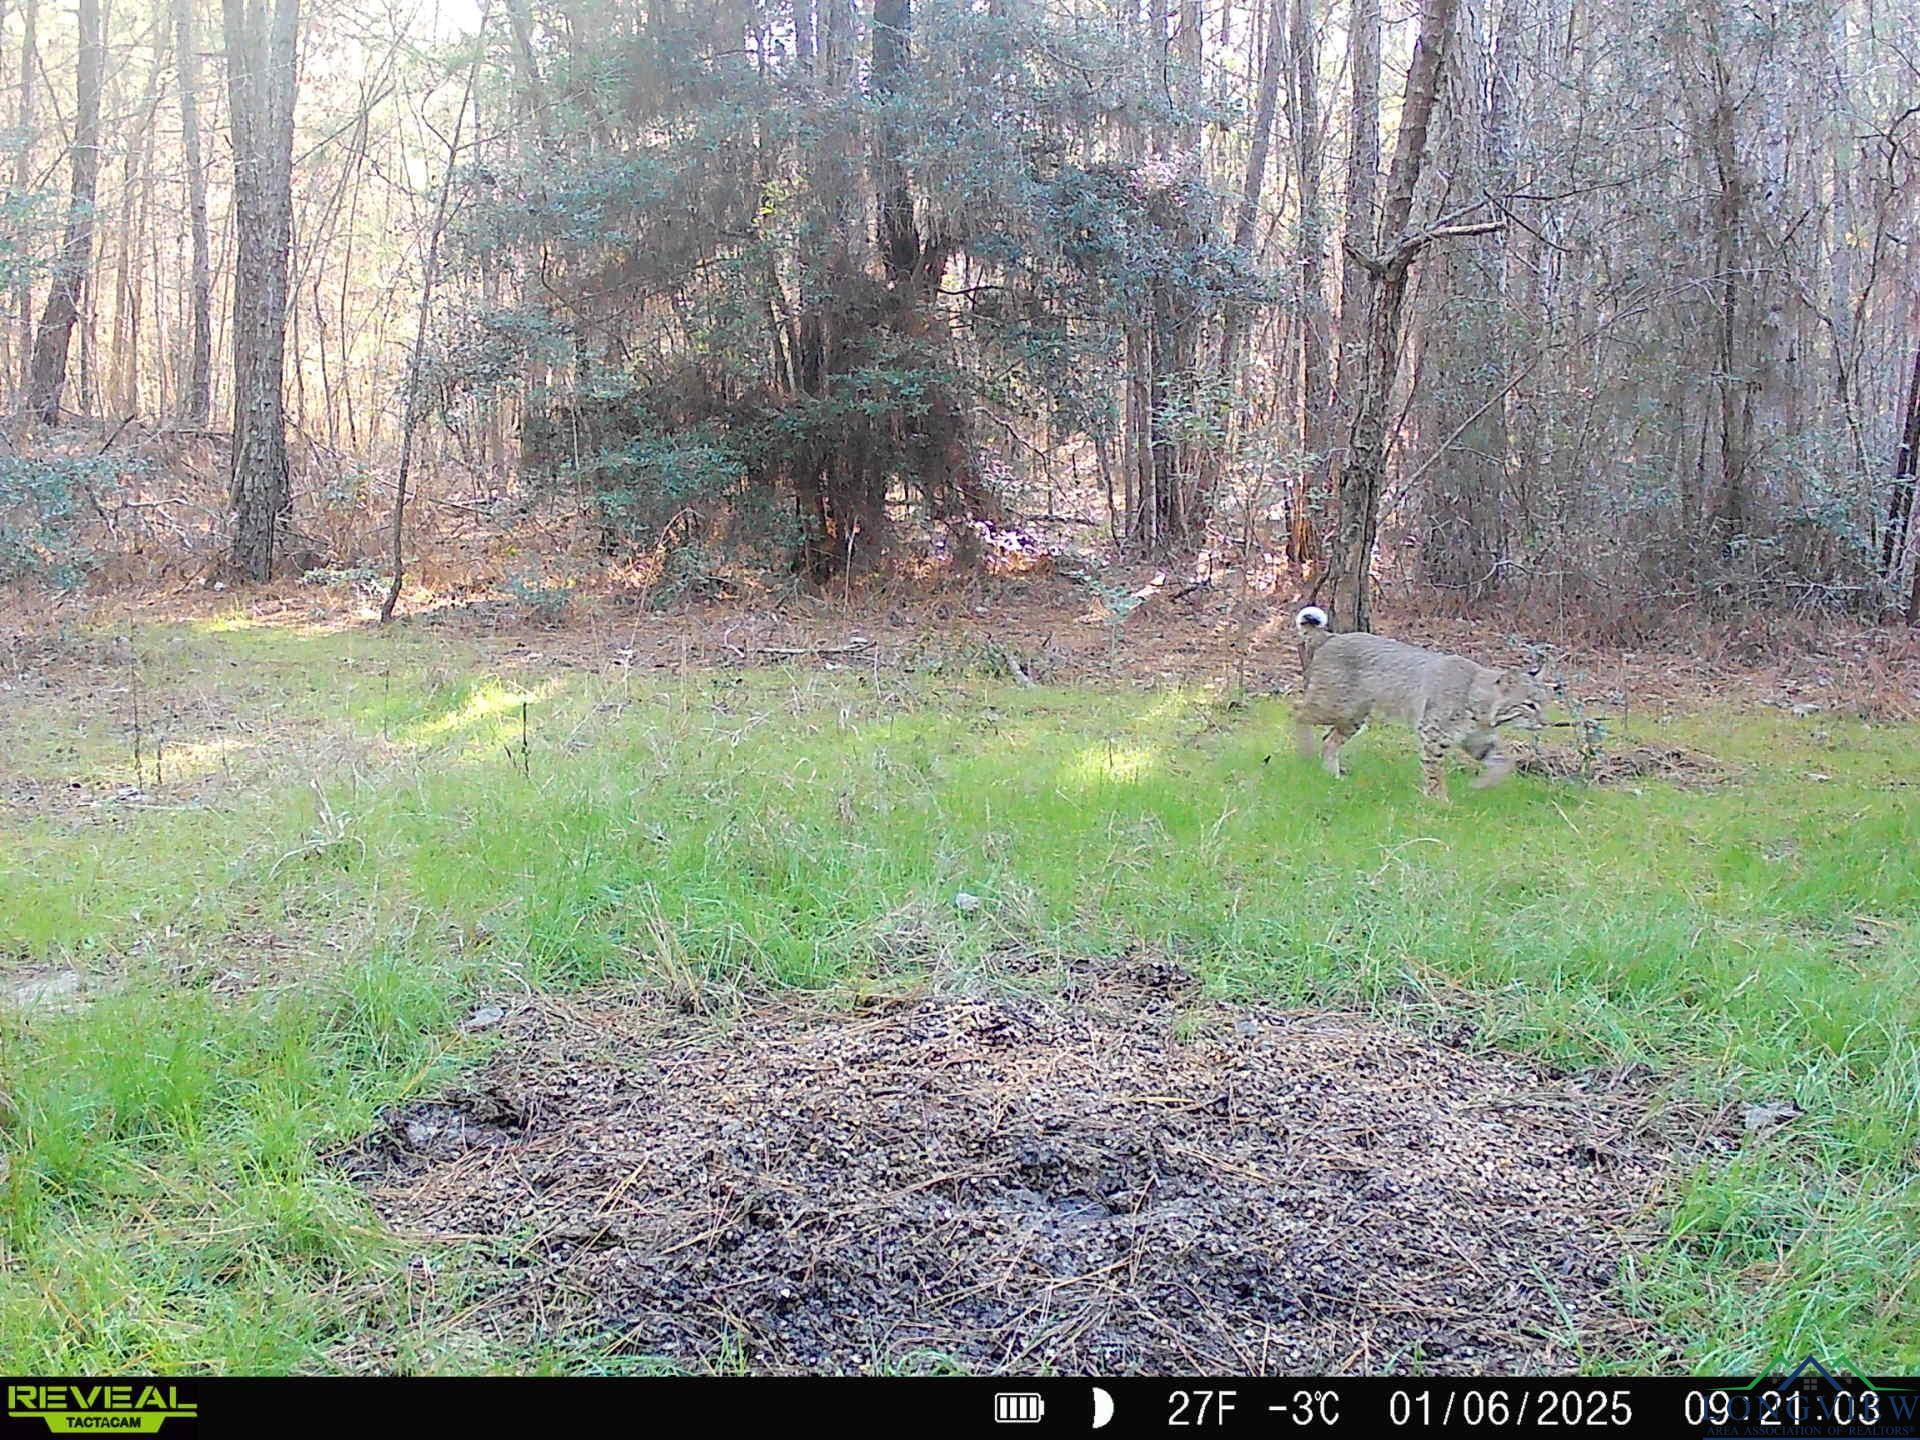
<point>1383,274</point>
<point>416,361</point>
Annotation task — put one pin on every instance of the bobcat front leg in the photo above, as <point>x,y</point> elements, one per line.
<point>1433,773</point>
<point>1303,739</point>
<point>1495,764</point>
<point>1330,747</point>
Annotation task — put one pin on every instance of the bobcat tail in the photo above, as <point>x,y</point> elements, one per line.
<point>1313,626</point>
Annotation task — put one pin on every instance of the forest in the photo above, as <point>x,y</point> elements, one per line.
<point>1608,304</point>
<point>647,650</point>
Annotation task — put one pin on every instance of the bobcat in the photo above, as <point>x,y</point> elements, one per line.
<point>1447,699</point>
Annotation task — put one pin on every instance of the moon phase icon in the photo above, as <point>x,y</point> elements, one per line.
<point>1102,1407</point>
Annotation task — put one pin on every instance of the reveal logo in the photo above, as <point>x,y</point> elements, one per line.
<point>77,1409</point>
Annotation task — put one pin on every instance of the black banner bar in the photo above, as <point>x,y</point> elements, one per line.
<point>1810,1400</point>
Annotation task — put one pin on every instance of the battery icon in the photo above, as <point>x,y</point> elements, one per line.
<point>1017,1407</point>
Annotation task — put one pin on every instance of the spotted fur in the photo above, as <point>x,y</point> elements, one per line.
<point>1448,700</point>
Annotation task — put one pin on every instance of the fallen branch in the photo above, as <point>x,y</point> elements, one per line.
<point>852,647</point>
<point>1403,254</point>
<point>108,445</point>
<point>1413,244</point>
<point>1052,519</point>
<point>463,505</point>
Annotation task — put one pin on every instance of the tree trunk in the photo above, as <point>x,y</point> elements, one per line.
<point>897,239</point>
<point>24,142</point>
<point>526,66</point>
<point>1463,504</point>
<point>1260,143</point>
<point>1176,495</point>
<point>1312,479</point>
<point>1906,458</point>
<point>899,242</point>
<point>196,402</point>
<point>1386,281</point>
<point>825,280</point>
<point>1362,233</point>
<point>803,32</point>
<point>914,265</point>
<point>1735,360</point>
<point>863,490</point>
<point>22,176</point>
<point>416,359</point>
<point>48,376</point>
<point>262,54</point>
<point>1230,414</point>
<point>123,369</point>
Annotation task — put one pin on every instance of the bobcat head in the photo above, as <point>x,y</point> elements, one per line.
<point>1520,697</point>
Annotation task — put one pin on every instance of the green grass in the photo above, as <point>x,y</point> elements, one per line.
<point>357,857</point>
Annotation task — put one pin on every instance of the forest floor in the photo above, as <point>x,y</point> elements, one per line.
<point>967,983</point>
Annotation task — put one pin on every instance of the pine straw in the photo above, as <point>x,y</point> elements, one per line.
<point>1019,1185</point>
<point>1672,764</point>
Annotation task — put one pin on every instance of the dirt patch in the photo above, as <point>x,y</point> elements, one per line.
<point>1021,1185</point>
<point>1672,764</point>
<point>1069,619</point>
<point>55,991</point>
